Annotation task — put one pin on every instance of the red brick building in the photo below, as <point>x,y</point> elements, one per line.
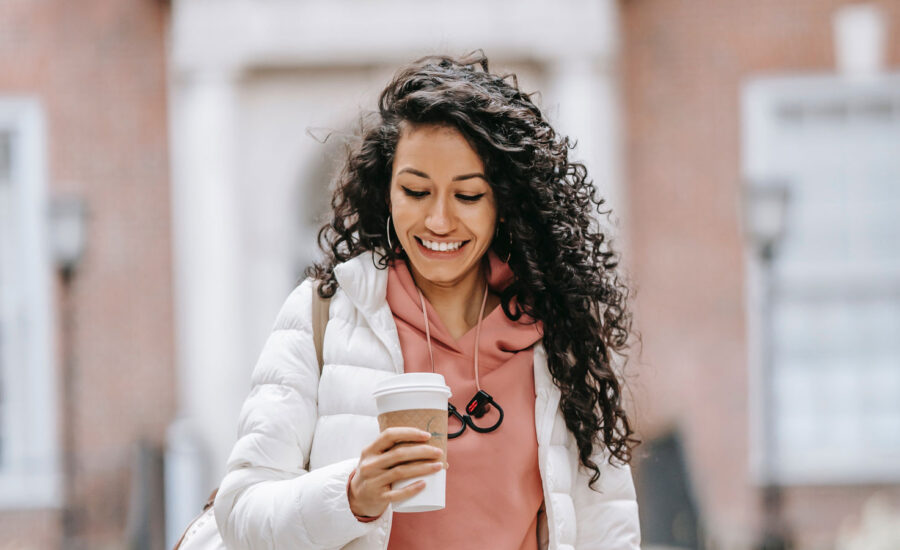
<point>83,92</point>
<point>686,66</point>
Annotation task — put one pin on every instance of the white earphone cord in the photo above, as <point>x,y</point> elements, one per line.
<point>477,331</point>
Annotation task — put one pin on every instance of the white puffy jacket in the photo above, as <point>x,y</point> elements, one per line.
<point>300,435</point>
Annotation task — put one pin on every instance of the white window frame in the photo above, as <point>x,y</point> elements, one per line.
<point>30,471</point>
<point>760,97</point>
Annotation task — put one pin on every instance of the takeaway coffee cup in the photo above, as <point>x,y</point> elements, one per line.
<point>418,400</point>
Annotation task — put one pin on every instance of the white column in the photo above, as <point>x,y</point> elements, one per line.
<point>207,254</point>
<point>585,105</point>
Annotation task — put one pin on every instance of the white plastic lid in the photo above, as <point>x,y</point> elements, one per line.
<point>412,381</point>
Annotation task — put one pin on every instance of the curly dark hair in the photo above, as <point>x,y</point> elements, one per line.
<point>564,267</point>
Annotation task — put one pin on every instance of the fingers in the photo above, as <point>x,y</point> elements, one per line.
<point>403,453</point>
<point>392,436</point>
<point>407,471</point>
<point>406,492</point>
<point>398,454</point>
<point>376,467</point>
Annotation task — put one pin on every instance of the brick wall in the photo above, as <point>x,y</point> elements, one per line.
<point>683,63</point>
<point>98,69</point>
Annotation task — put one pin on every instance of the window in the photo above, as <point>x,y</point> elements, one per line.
<point>835,296</point>
<point>29,469</point>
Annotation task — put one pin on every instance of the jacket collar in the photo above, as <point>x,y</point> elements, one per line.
<point>363,282</point>
<point>365,285</point>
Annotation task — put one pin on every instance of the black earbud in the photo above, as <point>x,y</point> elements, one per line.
<point>480,404</point>
<point>477,407</point>
<point>451,412</point>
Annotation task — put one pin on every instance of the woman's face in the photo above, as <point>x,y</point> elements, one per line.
<point>442,206</point>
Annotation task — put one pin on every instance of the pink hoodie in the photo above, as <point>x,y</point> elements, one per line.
<point>493,483</point>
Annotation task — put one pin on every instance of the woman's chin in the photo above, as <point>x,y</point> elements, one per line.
<point>438,275</point>
<point>441,272</point>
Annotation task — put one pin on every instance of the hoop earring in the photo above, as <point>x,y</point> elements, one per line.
<point>387,232</point>
<point>508,248</point>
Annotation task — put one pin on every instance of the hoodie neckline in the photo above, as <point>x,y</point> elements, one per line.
<point>500,336</point>
<point>439,331</point>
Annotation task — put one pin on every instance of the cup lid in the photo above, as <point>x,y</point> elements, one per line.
<point>412,381</point>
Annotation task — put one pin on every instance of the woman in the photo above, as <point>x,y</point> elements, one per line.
<point>463,241</point>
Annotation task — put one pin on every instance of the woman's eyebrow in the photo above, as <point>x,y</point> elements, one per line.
<point>470,176</point>
<point>421,174</point>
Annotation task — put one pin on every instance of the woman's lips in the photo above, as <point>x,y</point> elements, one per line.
<point>440,254</point>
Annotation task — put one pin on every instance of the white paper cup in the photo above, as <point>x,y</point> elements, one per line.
<point>419,400</point>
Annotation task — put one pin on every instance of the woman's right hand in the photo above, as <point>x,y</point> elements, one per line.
<point>397,454</point>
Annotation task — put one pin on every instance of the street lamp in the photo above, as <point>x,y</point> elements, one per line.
<point>765,215</point>
<point>67,221</point>
<point>67,232</point>
<point>764,206</point>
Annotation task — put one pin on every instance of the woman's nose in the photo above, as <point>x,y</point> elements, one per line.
<point>439,218</point>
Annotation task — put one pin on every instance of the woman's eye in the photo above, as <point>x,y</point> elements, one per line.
<point>419,194</point>
<point>416,194</point>
<point>470,198</point>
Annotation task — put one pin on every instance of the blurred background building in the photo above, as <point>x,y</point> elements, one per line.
<point>87,371</point>
<point>164,168</point>
<point>770,350</point>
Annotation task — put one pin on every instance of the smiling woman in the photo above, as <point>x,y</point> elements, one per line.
<point>463,241</point>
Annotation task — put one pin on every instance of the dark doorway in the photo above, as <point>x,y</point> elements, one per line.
<point>668,511</point>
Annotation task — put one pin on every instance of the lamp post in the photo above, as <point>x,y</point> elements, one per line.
<point>68,235</point>
<point>765,205</point>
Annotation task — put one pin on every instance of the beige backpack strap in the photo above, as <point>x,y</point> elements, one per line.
<point>209,503</point>
<point>319,319</point>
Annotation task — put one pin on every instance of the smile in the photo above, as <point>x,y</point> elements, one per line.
<point>433,248</point>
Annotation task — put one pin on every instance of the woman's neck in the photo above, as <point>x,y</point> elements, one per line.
<point>457,305</point>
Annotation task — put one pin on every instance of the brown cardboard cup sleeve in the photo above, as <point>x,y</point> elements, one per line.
<point>433,421</point>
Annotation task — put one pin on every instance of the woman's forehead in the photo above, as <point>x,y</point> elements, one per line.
<point>424,149</point>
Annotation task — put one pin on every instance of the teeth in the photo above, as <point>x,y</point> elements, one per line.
<point>441,247</point>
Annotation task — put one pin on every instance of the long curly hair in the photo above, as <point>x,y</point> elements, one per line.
<point>564,267</point>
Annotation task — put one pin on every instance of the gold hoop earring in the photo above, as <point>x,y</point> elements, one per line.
<point>387,232</point>
<point>508,247</point>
